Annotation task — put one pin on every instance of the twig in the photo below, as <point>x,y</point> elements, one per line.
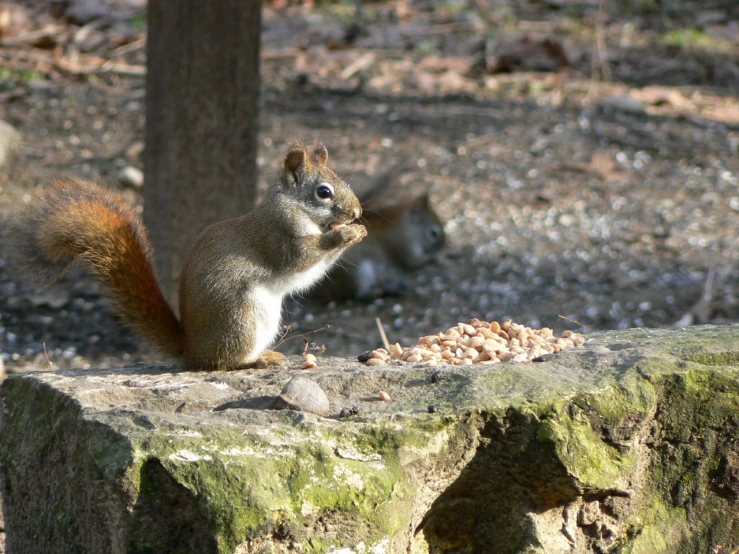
<point>600,41</point>
<point>440,29</point>
<point>12,94</point>
<point>84,31</point>
<point>128,48</point>
<point>279,54</point>
<point>300,336</point>
<point>575,322</point>
<point>488,112</point>
<point>107,67</point>
<point>29,36</point>
<point>98,82</point>
<point>49,363</point>
<point>382,334</point>
<point>123,69</point>
<point>360,64</point>
<point>599,56</point>
<point>482,140</point>
<point>703,308</point>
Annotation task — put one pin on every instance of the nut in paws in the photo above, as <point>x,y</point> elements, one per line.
<point>351,234</point>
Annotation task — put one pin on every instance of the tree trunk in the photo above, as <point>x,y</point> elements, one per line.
<point>202,91</point>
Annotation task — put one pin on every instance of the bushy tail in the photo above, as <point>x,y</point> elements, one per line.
<point>76,220</point>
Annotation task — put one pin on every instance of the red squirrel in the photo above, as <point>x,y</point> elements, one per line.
<point>234,278</point>
<point>400,239</point>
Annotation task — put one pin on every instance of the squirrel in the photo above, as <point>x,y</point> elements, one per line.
<point>235,275</point>
<point>400,239</point>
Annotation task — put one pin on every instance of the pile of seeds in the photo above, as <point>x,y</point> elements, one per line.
<point>479,342</point>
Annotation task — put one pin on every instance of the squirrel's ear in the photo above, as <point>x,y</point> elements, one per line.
<point>421,203</point>
<point>296,158</point>
<point>296,162</point>
<point>320,154</point>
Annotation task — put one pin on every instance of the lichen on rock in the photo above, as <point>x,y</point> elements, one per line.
<point>627,445</point>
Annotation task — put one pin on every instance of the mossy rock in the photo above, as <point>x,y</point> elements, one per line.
<point>627,445</point>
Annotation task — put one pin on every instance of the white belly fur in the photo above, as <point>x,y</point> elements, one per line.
<point>267,302</point>
<point>298,282</point>
<point>268,315</point>
<point>304,280</point>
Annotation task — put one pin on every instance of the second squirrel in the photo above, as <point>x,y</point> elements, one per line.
<point>234,278</point>
<point>400,239</point>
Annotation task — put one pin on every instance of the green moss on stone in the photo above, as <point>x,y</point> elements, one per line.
<point>655,528</point>
<point>531,437</point>
<point>577,428</point>
<point>697,423</point>
<point>582,451</point>
<point>713,359</point>
<point>263,486</point>
<point>698,400</point>
<point>632,398</point>
<point>111,452</point>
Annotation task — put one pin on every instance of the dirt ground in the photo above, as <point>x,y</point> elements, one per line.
<point>585,160</point>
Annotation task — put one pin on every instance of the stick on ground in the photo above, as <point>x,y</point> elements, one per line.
<point>382,334</point>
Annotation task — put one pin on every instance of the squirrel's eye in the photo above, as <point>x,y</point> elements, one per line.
<point>324,192</point>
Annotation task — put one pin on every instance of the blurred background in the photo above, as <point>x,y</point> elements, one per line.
<point>581,158</point>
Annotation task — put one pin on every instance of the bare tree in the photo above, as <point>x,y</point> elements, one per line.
<point>202,91</point>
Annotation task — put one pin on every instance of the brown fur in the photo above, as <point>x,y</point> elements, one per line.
<point>234,277</point>
<point>76,220</point>
<point>400,239</point>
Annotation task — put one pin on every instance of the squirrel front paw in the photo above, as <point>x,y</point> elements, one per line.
<point>350,234</point>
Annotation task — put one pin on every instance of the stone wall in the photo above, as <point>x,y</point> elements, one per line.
<point>627,445</point>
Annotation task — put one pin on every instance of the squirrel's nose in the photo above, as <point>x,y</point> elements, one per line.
<point>357,212</point>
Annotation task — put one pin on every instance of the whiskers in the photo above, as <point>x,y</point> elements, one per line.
<point>374,214</point>
<point>344,263</point>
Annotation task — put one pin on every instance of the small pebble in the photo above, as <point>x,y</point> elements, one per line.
<point>624,103</point>
<point>135,150</point>
<point>432,409</point>
<point>382,395</point>
<point>436,376</point>
<point>364,357</point>
<point>300,393</point>
<point>131,176</point>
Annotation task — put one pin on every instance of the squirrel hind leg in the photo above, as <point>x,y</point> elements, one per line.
<point>268,358</point>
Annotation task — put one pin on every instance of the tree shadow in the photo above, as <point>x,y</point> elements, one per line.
<point>512,474</point>
<point>168,518</point>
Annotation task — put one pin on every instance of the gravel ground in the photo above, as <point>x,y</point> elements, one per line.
<point>563,206</point>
